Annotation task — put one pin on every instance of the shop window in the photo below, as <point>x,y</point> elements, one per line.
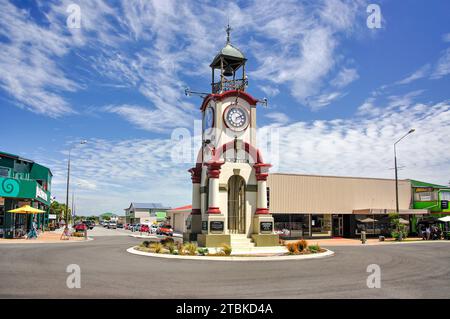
<point>445,196</point>
<point>425,196</point>
<point>321,225</point>
<point>4,171</point>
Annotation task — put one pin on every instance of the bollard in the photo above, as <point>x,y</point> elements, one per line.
<point>363,237</point>
<point>85,233</point>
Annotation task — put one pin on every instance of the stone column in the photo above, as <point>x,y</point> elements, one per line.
<point>262,172</point>
<point>213,174</point>
<point>196,217</point>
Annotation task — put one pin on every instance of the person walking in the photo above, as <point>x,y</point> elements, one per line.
<point>428,232</point>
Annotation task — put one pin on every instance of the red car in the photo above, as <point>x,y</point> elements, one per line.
<point>144,229</point>
<point>165,230</point>
<point>81,227</point>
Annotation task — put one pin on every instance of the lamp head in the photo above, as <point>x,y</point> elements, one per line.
<point>83,142</point>
<point>411,131</point>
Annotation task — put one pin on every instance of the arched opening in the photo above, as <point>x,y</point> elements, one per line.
<point>236,205</point>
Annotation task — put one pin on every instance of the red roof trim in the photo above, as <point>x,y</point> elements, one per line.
<point>250,99</point>
<point>182,208</point>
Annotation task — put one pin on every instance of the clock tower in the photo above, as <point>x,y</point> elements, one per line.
<point>229,193</point>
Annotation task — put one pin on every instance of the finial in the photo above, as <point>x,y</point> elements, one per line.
<point>228,29</point>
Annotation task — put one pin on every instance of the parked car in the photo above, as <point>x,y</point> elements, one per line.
<point>105,224</point>
<point>89,224</point>
<point>80,227</point>
<point>153,228</point>
<point>136,227</point>
<point>144,228</point>
<point>165,230</point>
<point>127,226</point>
<point>119,225</point>
<point>112,225</point>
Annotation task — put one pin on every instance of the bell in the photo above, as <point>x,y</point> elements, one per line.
<point>228,71</point>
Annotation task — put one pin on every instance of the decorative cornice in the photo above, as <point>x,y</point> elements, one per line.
<point>262,171</point>
<point>262,211</point>
<point>214,210</point>
<point>214,168</point>
<point>218,97</point>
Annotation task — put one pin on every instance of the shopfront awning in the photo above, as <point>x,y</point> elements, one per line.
<point>385,211</point>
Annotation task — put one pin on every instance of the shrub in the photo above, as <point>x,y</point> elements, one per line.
<point>191,248</point>
<point>181,249</point>
<point>226,249</point>
<point>314,248</point>
<point>302,245</point>
<point>146,243</point>
<point>167,240</point>
<point>157,247</point>
<point>203,251</point>
<point>171,246</point>
<point>292,248</point>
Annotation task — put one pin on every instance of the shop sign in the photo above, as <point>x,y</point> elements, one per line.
<point>424,189</point>
<point>205,225</point>
<point>51,216</point>
<point>40,193</point>
<point>266,227</point>
<point>444,204</point>
<point>216,226</point>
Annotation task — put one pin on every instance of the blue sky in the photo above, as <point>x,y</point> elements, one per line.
<point>339,92</point>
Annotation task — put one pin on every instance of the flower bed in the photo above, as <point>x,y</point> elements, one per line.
<point>169,247</point>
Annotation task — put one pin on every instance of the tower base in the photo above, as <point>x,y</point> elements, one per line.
<point>264,240</point>
<point>213,240</point>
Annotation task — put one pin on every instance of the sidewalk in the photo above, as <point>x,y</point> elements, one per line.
<point>328,242</point>
<point>46,237</point>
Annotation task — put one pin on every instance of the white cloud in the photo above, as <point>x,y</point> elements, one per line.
<point>442,67</point>
<point>344,77</point>
<point>278,117</point>
<point>446,37</point>
<point>419,74</point>
<point>319,101</point>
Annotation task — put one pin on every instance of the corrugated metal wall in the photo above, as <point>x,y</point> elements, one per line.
<point>291,193</point>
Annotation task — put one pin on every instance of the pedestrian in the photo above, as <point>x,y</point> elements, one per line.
<point>428,232</point>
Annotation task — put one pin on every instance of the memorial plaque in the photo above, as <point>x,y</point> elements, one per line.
<point>266,226</point>
<point>216,226</point>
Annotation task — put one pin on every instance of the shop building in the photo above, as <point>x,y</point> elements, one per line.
<point>179,218</point>
<point>314,206</point>
<point>433,197</point>
<point>22,182</point>
<point>145,213</point>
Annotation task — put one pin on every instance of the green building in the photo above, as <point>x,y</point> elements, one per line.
<point>433,197</point>
<point>22,182</point>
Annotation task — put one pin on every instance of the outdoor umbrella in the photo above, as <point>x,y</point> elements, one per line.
<point>445,219</point>
<point>26,209</point>
<point>367,220</point>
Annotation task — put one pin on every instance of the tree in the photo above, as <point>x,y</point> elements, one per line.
<point>399,231</point>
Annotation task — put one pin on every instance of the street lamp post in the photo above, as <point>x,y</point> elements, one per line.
<point>67,189</point>
<point>395,163</point>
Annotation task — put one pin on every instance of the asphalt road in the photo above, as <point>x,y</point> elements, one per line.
<point>108,271</point>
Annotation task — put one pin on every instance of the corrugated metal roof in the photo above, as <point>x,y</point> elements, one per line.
<point>149,205</point>
<point>415,183</point>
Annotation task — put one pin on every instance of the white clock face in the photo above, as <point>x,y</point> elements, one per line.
<point>236,117</point>
<point>209,118</point>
